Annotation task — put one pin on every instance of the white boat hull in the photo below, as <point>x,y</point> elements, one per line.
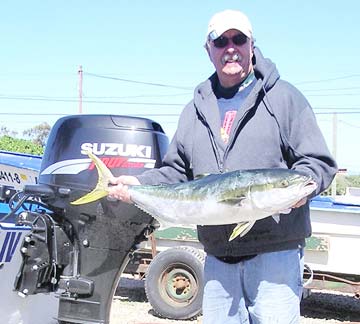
<point>338,241</point>
<point>34,309</point>
<point>18,169</point>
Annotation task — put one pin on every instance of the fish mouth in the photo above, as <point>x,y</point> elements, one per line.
<point>310,185</point>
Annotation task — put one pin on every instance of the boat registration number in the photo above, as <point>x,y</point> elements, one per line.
<point>11,177</point>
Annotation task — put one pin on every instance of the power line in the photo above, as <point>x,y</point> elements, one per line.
<point>156,114</point>
<point>50,98</point>
<point>330,79</point>
<point>168,85</point>
<point>137,82</point>
<point>348,124</point>
<point>93,101</point>
<point>333,95</point>
<point>332,108</point>
<point>337,112</point>
<point>332,89</point>
<point>93,97</point>
<point>139,96</point>
<point>37,99</point>
<point>31,114</point>
<point>190,88</point>
<point>146,103</point>
<point>57,114</point>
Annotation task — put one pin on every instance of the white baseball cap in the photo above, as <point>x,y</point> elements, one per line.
<point>228,19</point>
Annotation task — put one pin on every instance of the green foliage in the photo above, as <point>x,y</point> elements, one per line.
<point>342,182</point>
<point>354,180</point>
<point>34,144</point>
<point>8,143</point>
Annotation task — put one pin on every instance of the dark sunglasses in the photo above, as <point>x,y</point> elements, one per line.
<point>222,41</point>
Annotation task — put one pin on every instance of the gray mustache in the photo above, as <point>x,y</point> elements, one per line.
<point>231,57</point>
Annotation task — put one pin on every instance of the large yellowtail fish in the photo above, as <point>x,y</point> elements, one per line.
<point>238,197</point>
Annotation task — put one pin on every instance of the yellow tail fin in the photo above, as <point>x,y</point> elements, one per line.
<point>101,189</point>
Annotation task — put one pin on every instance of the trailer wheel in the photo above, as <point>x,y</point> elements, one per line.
<point>174,283</point>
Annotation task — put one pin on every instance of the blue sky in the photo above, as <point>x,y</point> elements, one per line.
<point>313,43</point>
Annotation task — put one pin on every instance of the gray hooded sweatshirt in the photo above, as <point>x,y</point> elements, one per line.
<point>275,127</point>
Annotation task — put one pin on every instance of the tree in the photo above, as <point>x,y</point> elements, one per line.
<point>353,180</point>
<point>342,182</point>
<point>38,134</point>
<point>5,131</point>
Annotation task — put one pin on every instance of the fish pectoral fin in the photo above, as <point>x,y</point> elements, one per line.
<point>90,197</point>
<point>200,176</point>
<point>241,229</point>
<point>101,189</point>
<point>233,201</point>
<point>285,211</point>
<point>276,218</point>
<point>163,225</point>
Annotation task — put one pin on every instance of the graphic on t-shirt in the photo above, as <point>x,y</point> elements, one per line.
<point>227,123</point>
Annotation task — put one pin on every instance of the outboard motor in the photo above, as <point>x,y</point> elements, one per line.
<point>81,251</point>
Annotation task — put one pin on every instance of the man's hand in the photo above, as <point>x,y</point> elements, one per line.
<point>120,188</point>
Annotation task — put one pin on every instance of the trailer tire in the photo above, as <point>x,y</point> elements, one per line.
<point>174,283</point>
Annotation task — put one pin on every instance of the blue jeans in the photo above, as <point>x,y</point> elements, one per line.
<point>263,290</point>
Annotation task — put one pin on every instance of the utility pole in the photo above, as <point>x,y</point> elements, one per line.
<point>334,151</point>
<point>80,72</point>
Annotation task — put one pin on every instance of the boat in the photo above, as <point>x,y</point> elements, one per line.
<point>331,251</point>
<point>18,169</point>
<point>15,307</point>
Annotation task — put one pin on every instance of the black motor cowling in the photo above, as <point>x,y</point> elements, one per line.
<point>127,145</point>
<point>82,250</point>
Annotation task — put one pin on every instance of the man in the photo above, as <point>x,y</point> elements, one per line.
<point>245,117</point>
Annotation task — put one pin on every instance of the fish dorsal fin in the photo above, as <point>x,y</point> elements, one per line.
<point>201,176</point>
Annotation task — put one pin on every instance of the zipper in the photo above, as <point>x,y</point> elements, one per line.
<point>219,161</point>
